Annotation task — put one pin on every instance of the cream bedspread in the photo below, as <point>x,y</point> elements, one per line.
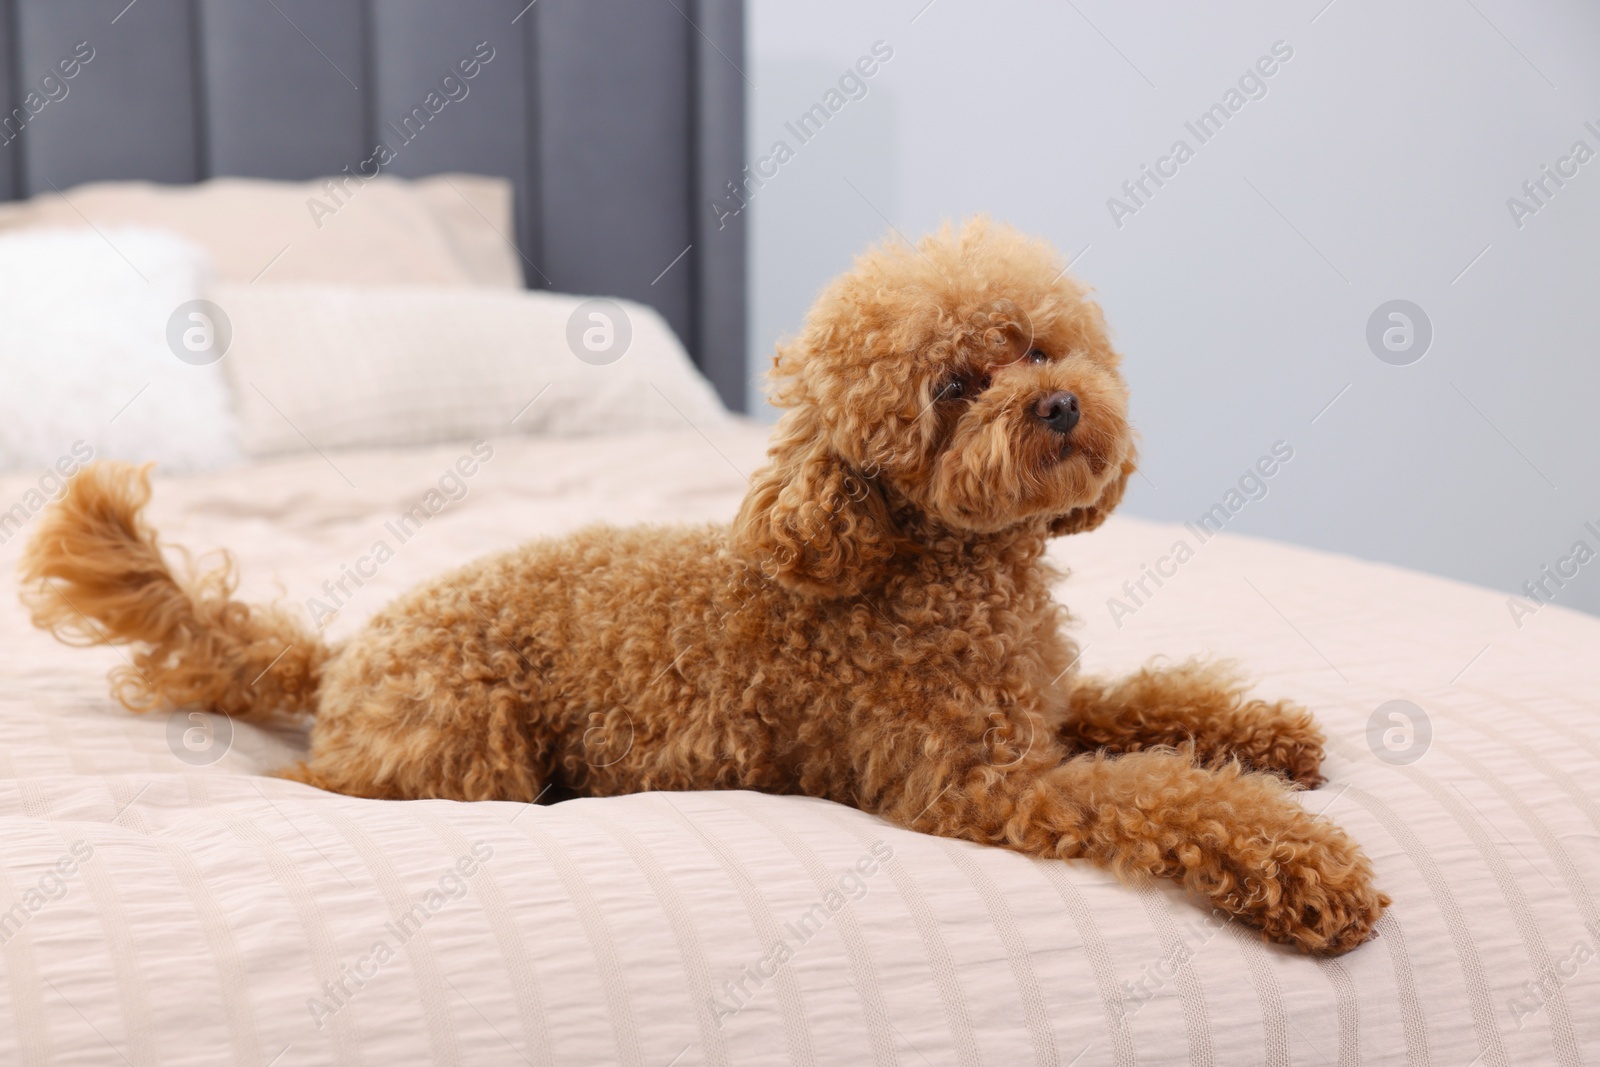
<point>159,904</point>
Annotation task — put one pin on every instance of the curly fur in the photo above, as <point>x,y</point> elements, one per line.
<point>94,574</point>
<point>876,627</point>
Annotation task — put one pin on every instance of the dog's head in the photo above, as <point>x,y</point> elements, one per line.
<point>964,386</point>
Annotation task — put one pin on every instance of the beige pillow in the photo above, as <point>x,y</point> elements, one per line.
<point>450,229</point>
<point>323,367</point>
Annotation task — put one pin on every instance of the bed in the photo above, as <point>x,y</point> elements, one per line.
<point>225,916</point>
<point>164,900</point>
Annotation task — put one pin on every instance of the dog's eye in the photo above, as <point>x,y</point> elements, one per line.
<point>1037,355</point>
<point>962,387</point>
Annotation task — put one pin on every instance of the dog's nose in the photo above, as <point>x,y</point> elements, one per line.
<point>1059,411</point>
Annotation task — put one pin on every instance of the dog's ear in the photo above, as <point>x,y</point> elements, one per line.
<point>810,521</point>
<point>1084,519</point>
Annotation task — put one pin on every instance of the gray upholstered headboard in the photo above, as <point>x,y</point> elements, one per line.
<point>620,122</point>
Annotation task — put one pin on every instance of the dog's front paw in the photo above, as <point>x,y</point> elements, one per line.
<point>1283,740</point>
<point>1310,887</point>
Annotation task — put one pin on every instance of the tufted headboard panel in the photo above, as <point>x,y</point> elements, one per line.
<point>620,122</point>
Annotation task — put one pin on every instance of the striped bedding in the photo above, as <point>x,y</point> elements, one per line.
<point>161,902</point>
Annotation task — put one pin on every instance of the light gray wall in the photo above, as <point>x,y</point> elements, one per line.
<point>1378,166</point>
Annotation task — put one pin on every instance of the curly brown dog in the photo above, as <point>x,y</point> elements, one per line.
<point>876,627</point>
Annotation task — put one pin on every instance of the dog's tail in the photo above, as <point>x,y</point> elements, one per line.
<point>94,574</point>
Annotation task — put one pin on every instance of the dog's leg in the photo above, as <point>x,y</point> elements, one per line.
<point>358,777</point>
<point>466,743</point>
<point>1236,838</point>
<point>1194,704</point>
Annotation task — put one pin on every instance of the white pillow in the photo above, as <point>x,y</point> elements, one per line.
<point>342,367</point>
<point>85,358</point>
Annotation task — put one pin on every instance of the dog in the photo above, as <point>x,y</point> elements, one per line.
<point>875,627</point>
